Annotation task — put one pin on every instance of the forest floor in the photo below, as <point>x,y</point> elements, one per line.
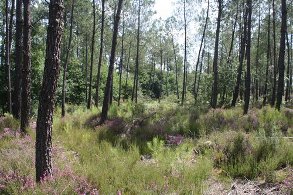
<point>155,150</point>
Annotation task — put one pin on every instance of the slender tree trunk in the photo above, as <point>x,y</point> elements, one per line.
<point>167,76</point>
<point>92,56</point>
<point>199,52</point>
<point>18,60</point>
<point>86,68</point>
<point>48,90</point>
<point>137,54</point>
<point>26,70</point>
<point>121,61</point>
<point>257,64</point>
<point>229,61</point>
<point>127,67</point>
<point>7,57</point>
<point>200,70</point>
<point>66,61</point>
<point>287,95</point>
<point>105,108</point>
<point>185,56</point>
<point>241,59</point>
<point>11,24</point>
<point>215,62</point>
<point>208,64</point>
<point>101,54</point>
<point>282,51</point>
<point>268,59</point>
<point>274,58</point>
<point>176,68</point>
<point>248,45</point>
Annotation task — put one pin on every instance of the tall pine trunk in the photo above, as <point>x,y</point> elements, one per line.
<point>100,54</point>
<point>268,59</point>
<point>199,52</point>
<point>26,70</point>
<point>121,62</point>
<point>7,57</point>
<point>248,45</point>
<point>135,83</point>
<point>106,102</point>
<point>215,62</point>
<point>185,56</point>
<point>287,95</point>
<point>275,71</point>
<point>48,90</point>
<point>281,62</point>
<point>92,57</point>
<point>18,60</point>
<point>66,61</point>
<point>241,59</point>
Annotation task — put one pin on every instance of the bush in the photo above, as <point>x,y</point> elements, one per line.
<point>243,156</point>
<point>8,122</point>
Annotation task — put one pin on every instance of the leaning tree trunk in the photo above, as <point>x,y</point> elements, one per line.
<point>101,54</point>
<point>215,62</point>
<point>281,62</point>
<point>92,57</point>
<point>18,60</point>
<point>105,107</point>
<point>248,45</point>
<point>48,90</point>
<point>26,69</point>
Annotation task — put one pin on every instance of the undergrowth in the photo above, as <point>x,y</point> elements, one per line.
<point>149,148</point>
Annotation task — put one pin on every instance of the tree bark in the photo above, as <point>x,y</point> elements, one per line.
<point>268,59</point>
<point>7,57</point>
<point>257,64</point>
<point>105,107</point>
<point>66,61</point>
<point>18,60</point>
<point>121,61</point>
<point>176,68</point>
<point>281,62</point>
<point>287,95</point>
<point>11,24</point>
<point>92,56</point>
<point>86,68</point>
<point>273,100</point>
<point>100,54</point>
<point>127,67</point>
<point>215,62</point>
<point>248,45</point>
<point>185,56</point>
<point>26,70</point>
<point>48,90</point>
<point>199,52</point>
<point>241,59</point>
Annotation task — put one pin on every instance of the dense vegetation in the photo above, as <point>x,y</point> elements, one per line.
<point>105,97</point>
<point>153,157</point>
